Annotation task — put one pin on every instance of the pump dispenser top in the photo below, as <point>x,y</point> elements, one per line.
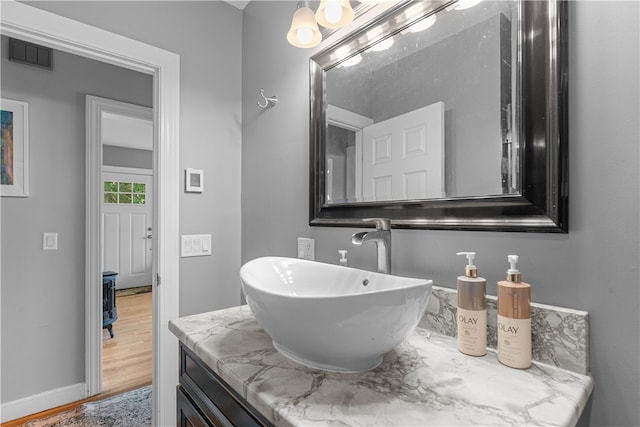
<point>343,257</point>
<point>513,274</point>
<point>470,270</point>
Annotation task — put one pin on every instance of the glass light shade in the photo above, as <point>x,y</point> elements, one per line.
<point>334,13</point>
<point>304,31</point>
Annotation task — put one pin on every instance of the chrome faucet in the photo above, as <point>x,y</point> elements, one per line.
<point>382,238</point>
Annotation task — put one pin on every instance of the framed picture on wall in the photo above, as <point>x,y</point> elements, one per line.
<point>194,180</point>
<point>14,148</point>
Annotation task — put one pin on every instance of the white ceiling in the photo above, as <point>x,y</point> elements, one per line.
<point>240,4</point>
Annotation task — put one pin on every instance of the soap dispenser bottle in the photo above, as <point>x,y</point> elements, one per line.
<point>514,319</point>
<point>472,310</point>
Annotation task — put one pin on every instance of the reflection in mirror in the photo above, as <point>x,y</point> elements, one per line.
<point>427,112</point>
<point>440,117</point>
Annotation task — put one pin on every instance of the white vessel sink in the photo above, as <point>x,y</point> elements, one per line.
<point>331,317</point>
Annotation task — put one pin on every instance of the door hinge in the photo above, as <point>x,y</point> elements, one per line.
<point>157,279</point>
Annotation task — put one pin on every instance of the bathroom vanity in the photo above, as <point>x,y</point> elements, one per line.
<point>230,374</point>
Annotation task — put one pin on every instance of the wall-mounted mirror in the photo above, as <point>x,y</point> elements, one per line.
<point>444,115</point>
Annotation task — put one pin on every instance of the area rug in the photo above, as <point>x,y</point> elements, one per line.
<point>132,408</point>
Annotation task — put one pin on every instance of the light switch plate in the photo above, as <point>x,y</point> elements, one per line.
<point>49,241</point>
<point>195,245</point>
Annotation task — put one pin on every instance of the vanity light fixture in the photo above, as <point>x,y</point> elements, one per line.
<point>304,31</point>
<point>334,13</point>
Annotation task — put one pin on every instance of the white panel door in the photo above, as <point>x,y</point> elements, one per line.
<point>403,157</point>
<point>126,228</point>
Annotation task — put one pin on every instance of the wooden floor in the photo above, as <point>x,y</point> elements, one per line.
<point>126,358</point>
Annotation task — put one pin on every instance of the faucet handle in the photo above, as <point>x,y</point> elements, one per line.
<point>382,224</point>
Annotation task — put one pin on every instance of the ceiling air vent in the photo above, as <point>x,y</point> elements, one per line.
<point>31,54</point>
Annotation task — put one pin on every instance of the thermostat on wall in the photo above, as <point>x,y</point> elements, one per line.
<point>49,241</point>
<point>194,180</point>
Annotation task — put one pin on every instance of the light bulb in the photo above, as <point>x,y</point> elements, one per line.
<point>333,11</point>
<point>304,35</point>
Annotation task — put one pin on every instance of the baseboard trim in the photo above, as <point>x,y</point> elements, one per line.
<point>41,402</point>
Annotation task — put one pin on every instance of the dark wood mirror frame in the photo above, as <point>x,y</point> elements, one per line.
<point>541,206</point>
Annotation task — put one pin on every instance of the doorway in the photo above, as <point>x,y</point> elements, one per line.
<point>124,133</point>
<point>37,26</point>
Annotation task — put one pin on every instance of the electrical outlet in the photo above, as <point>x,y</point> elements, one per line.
<point>306,248</point>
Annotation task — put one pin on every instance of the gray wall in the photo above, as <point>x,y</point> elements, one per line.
<point>207,36</point>
<point>127,157</point>
<point>43,292</point>
<point>593,268</point>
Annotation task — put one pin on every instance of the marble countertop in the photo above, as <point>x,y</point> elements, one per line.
<point>425,381</point>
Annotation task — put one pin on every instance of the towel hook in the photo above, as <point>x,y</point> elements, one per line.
<point>268,101</point>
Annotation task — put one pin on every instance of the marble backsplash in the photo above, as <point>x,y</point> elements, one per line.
<point>560,336</point>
